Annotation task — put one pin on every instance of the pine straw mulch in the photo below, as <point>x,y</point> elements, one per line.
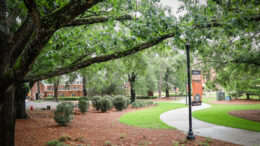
<point>96,129</point>
<point>253,115</point>
<point>236,101</point>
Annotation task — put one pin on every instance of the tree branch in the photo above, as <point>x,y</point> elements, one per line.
<point>33,10</point>
<point>41,34</point>
<point>93,20</point>
<point>67,13</point>
<point>99,59</point>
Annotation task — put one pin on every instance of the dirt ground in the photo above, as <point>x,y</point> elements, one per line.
<point>237,101</point>
<point>253,115</point>
<point>96,129</point>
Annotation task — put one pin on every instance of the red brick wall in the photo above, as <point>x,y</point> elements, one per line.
<point>34,90</point>
<point>65,91</point>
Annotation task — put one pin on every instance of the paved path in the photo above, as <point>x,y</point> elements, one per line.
<point>179,119</point>
<point>43,104</point>
<point>40,105</point>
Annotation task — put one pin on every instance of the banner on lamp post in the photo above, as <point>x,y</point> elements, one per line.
<point>196,87</point>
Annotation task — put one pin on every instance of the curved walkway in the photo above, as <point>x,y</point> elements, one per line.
<point>179,119</point>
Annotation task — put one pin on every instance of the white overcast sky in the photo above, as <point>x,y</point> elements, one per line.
<point>174,4</point>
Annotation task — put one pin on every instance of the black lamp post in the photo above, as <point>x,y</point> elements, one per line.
<point>190,135</point>
<point>186,94</point>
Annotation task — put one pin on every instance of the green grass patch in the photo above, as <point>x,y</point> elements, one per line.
<point>150,118</point>
<point>218,114</point>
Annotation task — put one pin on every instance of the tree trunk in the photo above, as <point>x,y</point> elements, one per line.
<point>20,95</point>
<point>160,86</point>
<point>84,86</point>
<point>56,86</point>
<point>132,91</point>
<point>132,78</point>
<point>167,92</point>
<point>166,78</point>
<point>38,95</point>
<point>7,116</point>
<point>247,96</point>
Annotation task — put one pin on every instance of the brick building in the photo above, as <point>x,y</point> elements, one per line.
<point>47,90</point>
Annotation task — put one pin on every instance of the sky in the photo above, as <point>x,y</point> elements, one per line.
<point>174,4</point>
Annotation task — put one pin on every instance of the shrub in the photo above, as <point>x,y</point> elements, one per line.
<point>62,114</point>
<point>149,102</point>
<point>96,102</point>
<point>85,98</point>
<point>139,103</point>
<point>83,105</point>
<point>120,103</point>
<point>64,138</point>
<point>108,143</point>
<point>80,139</point>
<point>54,143</point>
<point>105,104</point>
<point>109,97</point>
<point>128,101</point>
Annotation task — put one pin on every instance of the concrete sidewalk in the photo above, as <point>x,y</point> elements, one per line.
<point>179,119</point>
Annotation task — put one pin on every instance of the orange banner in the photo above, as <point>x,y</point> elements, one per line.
<point>196,87</point>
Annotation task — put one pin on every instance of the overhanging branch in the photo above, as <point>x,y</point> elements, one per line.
<point>66,14</point>
<point>99,59</point>
<point>93,20</point>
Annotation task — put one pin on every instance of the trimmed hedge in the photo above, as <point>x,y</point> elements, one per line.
<point>86,98</point>
<point>62,98</point>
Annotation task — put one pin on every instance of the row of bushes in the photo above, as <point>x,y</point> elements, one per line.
<point>90,98</point>
<point>106,103</point>
<point>63,114</point>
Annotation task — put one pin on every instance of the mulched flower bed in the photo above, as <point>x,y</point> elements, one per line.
<point>253,115</point>
<point>96,129</point>
<point>237,101</point>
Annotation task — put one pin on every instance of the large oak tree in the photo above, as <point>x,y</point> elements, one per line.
<point>29,29</point>
<point>26,28</point>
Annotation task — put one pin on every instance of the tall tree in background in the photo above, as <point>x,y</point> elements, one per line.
<point>84,81</point>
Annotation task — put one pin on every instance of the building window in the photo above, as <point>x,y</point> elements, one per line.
<point>73,94</point>
<point>50,95</point>
<point>61,95</point>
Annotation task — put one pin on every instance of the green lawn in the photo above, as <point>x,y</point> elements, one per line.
<point>150,118</point>
<point>218,114</point>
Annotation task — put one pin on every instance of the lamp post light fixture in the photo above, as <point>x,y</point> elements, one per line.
<point>190,135</point>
